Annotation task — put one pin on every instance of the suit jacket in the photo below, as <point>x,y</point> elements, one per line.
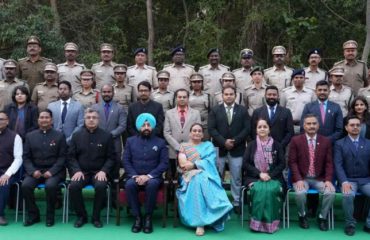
<point>281,126</point>
<point>220,130</point>
<point>73,121</point>
<point>174,133</point>
<point>333,125</point>
<point>351,164</point>
<point>299,158</point>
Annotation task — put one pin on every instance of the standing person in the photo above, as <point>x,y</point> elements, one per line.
<point>355,71</point>
<point>229,128</point>
<point>145,105</point>
<point>227,80</point>
<point>145,160</point>
<point>71,69</point>
<point>44,158</point>
<point>31,67</point>
<point>254,94</point>
<point>162,95</point>
<point>243,75</point>
<point>11,150</point>
<point>313,72</point>
<point>87,95</point>
<point>47,91</point>
<point>179,71</point>
<point>2,75</point>
<point>352,168</point>
<point>123,92</point>
<point>141,72</point>
<point>360,109</point>
<point>279,75</point>
<point>311,165</point>
<point>104,70</point>
<point>90,163</point>
<point>213,71</point>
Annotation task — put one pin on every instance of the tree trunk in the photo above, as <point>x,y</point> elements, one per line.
<point>186,21</point>
<point>54,8</point>
<point>366,51</point>
<point>149,13</point>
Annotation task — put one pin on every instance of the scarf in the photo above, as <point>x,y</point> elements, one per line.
<point>263,155</point>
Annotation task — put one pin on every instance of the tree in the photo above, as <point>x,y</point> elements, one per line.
<point>365,53</point>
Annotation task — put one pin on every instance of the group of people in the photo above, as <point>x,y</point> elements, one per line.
<point>90,123</point>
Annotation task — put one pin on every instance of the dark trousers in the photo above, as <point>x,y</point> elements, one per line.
<point>4,194</point>
<point>51,187</point>
<point>132,192</point>
<point>75,191</point>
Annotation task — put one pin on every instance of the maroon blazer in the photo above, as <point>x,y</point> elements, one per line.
<point>299,158</point>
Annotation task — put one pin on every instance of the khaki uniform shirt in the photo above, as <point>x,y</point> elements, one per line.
<point>312,77</point>
<point>344,98</point>
<point>42,95</point>
<point>6,91</point>
<point>202,103</point>
<point>136,74</point>
<point>355,75</point>
<point>124,96</point>
<point>87,99</point>
<point>254,98</point>
<point>179,76</point>
<point>2,75</point>
<point>32,72</point>
<point>278,78</point>
<point>212,77</point>
<point>103,73</point>
<point>166,99</point>
<point>243,78</point>
<point>217,99</point>
<point>71,74</point>
<point>295,101</point>
<point>365,92</point>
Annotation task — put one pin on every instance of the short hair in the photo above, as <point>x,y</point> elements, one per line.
<point>196,124</point>
<point>182,90</point>
<point>66,83</point>
<point>310,115</point>
<point>145,84</point>
<point>24,90</point>
<point>350,118</point>
<point>47,111</point>
<point>90,110</point>
<point>271,87</point>
<point>228,87</point>
<point>322,83</point>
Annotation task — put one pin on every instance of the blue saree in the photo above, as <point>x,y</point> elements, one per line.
<point>202,199</point>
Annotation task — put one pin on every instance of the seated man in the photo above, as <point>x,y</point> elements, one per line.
<point>90,160</point>
<point>44,156</point>
<point>145,160</point>
<point>11,150</point>
<point>352,167</point>
<point>311,165</point>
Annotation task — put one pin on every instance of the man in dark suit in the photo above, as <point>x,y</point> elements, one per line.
<point>311,166</point>
<point>229,127</point>
<point>279,118</point>
<point>145,105</point>
<point>145,160</point>
<point>352,166</point>
<point>328,113</point>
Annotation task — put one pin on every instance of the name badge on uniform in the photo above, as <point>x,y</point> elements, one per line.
<point>99,71</point>
<point>40,92</point>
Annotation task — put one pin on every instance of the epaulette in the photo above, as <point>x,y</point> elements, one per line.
<point>47,59</point>
<point>23,59</point>
<point>167,65</point>
<point>338,62</point>
<point>96,64</point>
<point>131,67</point>
<point>267,69</point>
<point>151,67</point>
<point>238,69</point>
<point>228,68</point>
<point>217,93</point>
<point>360,61</point>
<point>188,65</point>
<point>202,67</point>
<point>286,89</point>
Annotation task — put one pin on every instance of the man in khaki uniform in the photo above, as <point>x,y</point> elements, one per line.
<point>123,92</point>
<point>31,68</point>
<point>227,80</point>
<point>213,71</point>
<point>243,74</point>
<point>47,91</point>
<point>71,69</point>
<point>87,95</point>
<point>296,97</point>
<point>254,95</point>
<point>279,75</point>
<point>104,70</point>
<point>339,93</point>
<point>179,71</point>
<point>141,72</point>
<point>162,94</point>
<point>355,71</point>
<point>9,83</point>
<point>2,74</point>
<point>313,72</point>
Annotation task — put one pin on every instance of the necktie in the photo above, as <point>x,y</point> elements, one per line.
<point>106,110</point>
<point>182,118</point>
<point>272,113</point>
<point>311,149</point>
<point>356,144</point>
<point>322,111</point>
<point>228,113</point>
<point>64,112</point>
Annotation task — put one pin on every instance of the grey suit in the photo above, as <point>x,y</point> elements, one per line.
<point>73,121</point>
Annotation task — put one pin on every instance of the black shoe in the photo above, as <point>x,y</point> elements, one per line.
<point>136,227</point>
<point>49,222</point>
<point>237,210</point>
<point>80,222</point>
<point>97,223</point>
<point>30,222</point>
<point>148,226</point>
<point>323,224</point>
<point>366,229</point>
<point>350,230</point>
<point>303,222</point>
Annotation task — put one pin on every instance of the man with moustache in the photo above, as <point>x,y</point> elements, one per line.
<point>243,75</point>
<point>313,72</point>
<point>227,80</point>
<point>104,70</point>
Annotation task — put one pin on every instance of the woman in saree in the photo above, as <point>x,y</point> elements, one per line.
<point>202,199</point>
<point>263,164</point>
